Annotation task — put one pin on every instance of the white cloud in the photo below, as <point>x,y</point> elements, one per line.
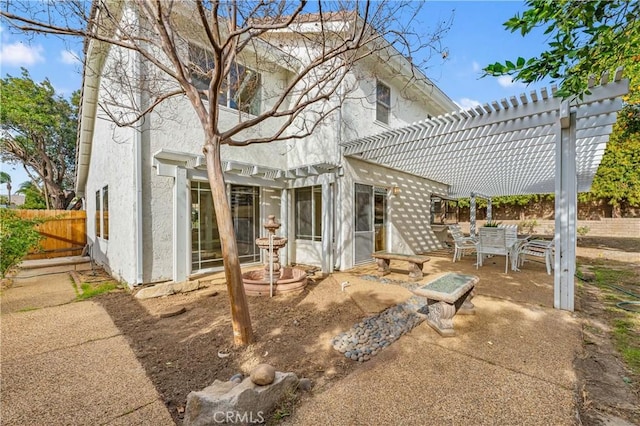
<point>466,103</point>
<point>507,81</point>
<point>19,55</point>
<point>69,57</point>
<point>475,66</point>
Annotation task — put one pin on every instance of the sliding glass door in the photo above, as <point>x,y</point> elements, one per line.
<point>206,251</point>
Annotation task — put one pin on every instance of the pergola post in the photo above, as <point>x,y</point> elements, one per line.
<point>565,211</point>
<point>472,214</point>
<point>488,209</point>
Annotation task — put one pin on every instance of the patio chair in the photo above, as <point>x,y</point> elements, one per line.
<point>492,241</point>
<point>537,248</point>
<point>513,243</point>
<point>462,243</point>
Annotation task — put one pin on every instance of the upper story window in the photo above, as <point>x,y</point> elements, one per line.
<point>240,89</point>
<point>383,102</point>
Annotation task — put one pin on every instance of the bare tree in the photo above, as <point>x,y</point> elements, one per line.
<point>196,48</point>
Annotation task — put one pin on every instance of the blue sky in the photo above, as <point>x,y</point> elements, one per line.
<point>476,39</point>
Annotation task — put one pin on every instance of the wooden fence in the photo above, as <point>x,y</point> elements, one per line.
<point>65,232</point>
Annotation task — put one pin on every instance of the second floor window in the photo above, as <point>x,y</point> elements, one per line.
<point>240,89</point>
<point>383,102</point>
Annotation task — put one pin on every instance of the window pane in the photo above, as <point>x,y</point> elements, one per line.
<point>382,114</point>
<point>304,214</point>
<point>247,94</point>
<point>105,213</point>
<point>364,209</point>
<point>383,94</point>
<point>317,206</point>
<point>201,63</point>
<point>98,210</point>
<point>379,218</point>
<point>205,238</point>
<point>383,103</point>
<point>245,210</point>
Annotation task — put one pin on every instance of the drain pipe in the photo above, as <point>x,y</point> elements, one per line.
<point>271,264</point>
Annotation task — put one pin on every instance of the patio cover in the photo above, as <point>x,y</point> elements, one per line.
<point>524,145</point>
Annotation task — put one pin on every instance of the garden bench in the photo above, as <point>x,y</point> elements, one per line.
<point>447,295</point>
<point>383,259</point>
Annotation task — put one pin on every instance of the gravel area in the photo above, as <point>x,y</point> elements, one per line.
<point>368,337</point>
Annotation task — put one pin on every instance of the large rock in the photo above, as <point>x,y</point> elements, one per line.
<point>167,289</point>
<point>242,404</point>
<point>263,374</point>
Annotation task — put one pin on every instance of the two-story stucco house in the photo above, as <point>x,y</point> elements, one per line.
<point>148,200</point>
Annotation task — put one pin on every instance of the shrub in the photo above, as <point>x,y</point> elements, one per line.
<point>491,224</point>
<point>583,230</point>
<point>17,237</point>
<point>528,226</point>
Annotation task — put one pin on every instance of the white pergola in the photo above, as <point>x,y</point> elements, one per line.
<point>524,145</point>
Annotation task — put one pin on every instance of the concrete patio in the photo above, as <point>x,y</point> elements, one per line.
<point>511,363</point>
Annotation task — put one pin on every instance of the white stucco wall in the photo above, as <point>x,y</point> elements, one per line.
<point>408,213</point>
<point>112,165</point>
<point>174,126</point>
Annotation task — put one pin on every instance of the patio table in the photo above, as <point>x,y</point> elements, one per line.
<point>446,296</point>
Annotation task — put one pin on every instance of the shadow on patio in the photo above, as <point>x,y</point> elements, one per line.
<point>511,363</point>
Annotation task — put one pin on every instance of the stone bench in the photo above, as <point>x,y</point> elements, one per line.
<point>383,259</point>
<point>446,296</point>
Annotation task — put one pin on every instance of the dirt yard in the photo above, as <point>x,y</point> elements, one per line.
<point>188,351</point>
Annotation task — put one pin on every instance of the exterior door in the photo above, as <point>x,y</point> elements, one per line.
<point>206,252</point>
<point>370,221</point>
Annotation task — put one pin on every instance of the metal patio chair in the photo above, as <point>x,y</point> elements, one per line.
<point>463,244</point>
<point>537,248</point>
<point>493,242</point>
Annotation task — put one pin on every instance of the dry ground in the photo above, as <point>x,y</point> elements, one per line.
<point>186,352</point>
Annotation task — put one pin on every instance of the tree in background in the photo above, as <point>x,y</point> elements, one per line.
<point>33,196</point>
<point>5,178</point>
<point>586,38</point>
<point>202,50</point>
<point>39,131</point>
<point>589,38</point>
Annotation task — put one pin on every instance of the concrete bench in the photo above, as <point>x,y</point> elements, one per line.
<point>383,259</point>
<point>446,296</point>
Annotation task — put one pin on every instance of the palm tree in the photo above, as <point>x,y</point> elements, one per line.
<point>6,179</point>
<point>33,195</point>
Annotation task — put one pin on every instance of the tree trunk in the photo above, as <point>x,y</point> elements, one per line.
<point>240,319</point>
<point>56,198</point>
<point>616,211</point>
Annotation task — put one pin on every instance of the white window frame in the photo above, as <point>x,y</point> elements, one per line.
<point>380,103</point>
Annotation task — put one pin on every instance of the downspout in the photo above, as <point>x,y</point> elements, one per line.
<point>137,167</point>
